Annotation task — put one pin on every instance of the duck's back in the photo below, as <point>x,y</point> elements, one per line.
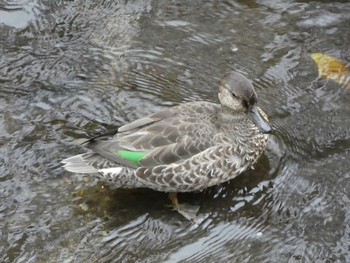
<point>167,137</point>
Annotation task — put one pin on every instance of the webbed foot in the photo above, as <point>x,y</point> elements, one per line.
<point>186,210</point>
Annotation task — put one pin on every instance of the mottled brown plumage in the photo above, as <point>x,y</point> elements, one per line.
<point>185,148</point>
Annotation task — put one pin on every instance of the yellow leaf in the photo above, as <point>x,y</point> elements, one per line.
<point>332,68</point>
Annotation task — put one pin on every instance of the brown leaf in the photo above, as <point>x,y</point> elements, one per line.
<point>332,68</point>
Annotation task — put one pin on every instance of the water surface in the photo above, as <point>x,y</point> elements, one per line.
<point>73,69</point>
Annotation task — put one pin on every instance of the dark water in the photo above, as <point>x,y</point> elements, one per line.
<point>71,69</point>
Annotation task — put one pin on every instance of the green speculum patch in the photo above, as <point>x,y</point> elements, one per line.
<point>133,157</point>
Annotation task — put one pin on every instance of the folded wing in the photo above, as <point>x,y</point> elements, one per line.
<point>163,138</point>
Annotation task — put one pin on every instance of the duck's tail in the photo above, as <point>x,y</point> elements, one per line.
<point>103,169</point>
<point>80,164</point>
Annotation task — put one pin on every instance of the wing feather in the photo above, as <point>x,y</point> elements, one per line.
<point>170,136</point>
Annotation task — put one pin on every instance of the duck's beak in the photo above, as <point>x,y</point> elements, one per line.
<point>259,120</point>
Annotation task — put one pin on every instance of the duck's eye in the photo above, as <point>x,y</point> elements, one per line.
<point>245,104</point>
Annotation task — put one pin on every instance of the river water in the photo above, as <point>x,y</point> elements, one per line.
<point>73,69</point>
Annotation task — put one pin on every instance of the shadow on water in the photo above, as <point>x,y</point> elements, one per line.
<point>73,69</point>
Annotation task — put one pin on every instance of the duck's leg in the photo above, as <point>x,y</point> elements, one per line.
<point>188,211</point>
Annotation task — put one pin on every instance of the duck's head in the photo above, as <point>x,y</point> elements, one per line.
<point>237,95</point>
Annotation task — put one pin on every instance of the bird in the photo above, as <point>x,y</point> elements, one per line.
<point>184,148</point>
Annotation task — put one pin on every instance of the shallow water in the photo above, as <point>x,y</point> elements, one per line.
<point>72,69</point>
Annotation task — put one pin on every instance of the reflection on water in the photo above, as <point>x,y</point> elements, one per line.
<point>71,69</point>
<point>18,14</point>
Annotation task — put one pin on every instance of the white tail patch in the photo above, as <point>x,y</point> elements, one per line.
<point>74,159</point>
<point>77,164</point>
<point>82,168</point>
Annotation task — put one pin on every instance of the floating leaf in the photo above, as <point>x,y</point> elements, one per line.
<point>332,68</point>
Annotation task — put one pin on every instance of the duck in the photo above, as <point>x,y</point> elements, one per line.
<point>184,148</point>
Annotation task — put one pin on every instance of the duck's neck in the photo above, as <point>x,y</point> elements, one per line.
<point>240,127</point>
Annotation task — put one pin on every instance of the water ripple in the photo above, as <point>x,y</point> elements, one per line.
<point>71,69</point>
